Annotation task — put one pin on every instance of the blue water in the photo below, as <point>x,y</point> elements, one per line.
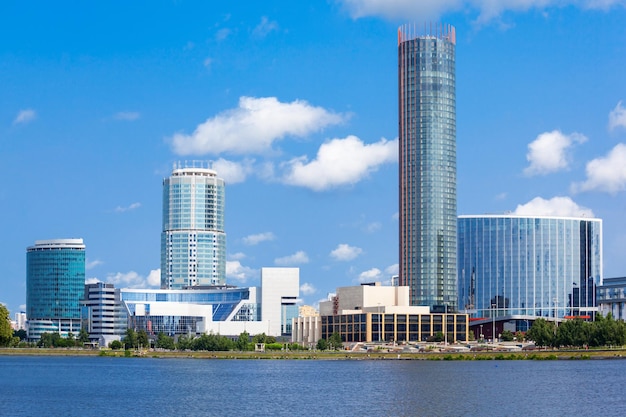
<point>101,386</point>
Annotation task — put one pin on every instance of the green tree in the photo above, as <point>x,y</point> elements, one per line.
<point>45,340</point>
<point>130,339</point>
<point>83,336</point>
<point>542,332</point>
<point>185,342</point>
<point>116,345</point>
<point>20,334</point>
<point>6,332</point>
<point>142,339</point>
<point>334,342</point>
<point>165,342</point>
<point>259,338</point>
<point>243,341</point>
<point>322,344</point>
<point>507,336</point>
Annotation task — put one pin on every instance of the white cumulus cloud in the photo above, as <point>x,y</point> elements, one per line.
<point>487,10</point>
<point>236,271</point>
<point>253,127</point>
<point>92,280</point>
<point>233,172</point>
<point>132,279</point>
<point>550,152</point>
<point>25,116</point>
<point>393,269</point>
<point>307,289</point>
<point>92,264</point>
<point>345,252</point>
<point>556,206</point>
<point>258,238</point>
<point>617,117</point>
<point>340,162</point>
<point>371,275</point>
<point>606,174</point>
<point>297,258</point>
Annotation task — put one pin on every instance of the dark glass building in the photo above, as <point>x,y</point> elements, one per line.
<point>55,281</point>
<point>427,160</point>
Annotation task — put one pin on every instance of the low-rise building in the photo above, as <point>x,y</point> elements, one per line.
<point>376,313</point>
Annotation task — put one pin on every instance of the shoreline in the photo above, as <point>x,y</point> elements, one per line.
<point>618,353</point>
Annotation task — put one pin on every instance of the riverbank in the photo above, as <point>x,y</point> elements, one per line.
<point>617,353</point>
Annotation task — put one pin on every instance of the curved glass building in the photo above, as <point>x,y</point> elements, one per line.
<point>529,266</point>
<point>193,242</point>
<point>427,160</point>
<point>55,281</point>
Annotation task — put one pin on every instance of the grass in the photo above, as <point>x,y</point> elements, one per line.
<point>328,355</point>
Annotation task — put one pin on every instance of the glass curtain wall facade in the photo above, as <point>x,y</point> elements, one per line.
<point>534,266</point>
<point>427,155</point>
<point>193,242</point>
<point>55,280</point>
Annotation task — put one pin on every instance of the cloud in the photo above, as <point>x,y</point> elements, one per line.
<point>92,281</point>
<point>222,34</point>
<point>92,264</point>
<point>132,279</point>
<point>297,258</point>
<point>233,172</point>
<point>236,271</point>
<point>393,269</point>
<point>207,63</point>
<point>127,115</point>
<point>371,275</point>
<point>607,174</point>
<point>340,162</point>
<point>550,152</point>
<point>487,9</point>
<point>253,127</point>
<point>345,252</point>
<point>133,206</point>
<point>617,117</point>
<point>252,240</point>
<point>25,116</point>
<point>372,227</point>
<point>237,256</point>
<point>556,206</point>
<point>264,28</point>
<point>307,289</point>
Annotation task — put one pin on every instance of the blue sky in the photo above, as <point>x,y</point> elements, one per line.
<point>296,105</point>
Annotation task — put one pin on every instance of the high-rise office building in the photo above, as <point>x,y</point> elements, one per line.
<point>193,242</point>
<point>520,267</point>
<point>427,160</point>
<point>55,280</point>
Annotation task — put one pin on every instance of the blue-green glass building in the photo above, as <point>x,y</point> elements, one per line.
<point>193,241</point>
<point>528,266</point>
<point>427,164</point>
<point>55,281</point>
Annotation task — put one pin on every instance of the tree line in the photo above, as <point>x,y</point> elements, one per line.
<point>603,331</point>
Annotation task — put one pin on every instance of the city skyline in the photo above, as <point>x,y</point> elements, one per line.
<point>100,100</point>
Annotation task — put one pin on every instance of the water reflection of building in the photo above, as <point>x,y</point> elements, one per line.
<point>516,268</point>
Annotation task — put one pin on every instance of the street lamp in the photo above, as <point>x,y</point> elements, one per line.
<point>493,320</point>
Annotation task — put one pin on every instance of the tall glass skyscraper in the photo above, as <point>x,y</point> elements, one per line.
<point>193,242</point>
<point>528,266</point>
<point>427,123</point>
<point>55,281</point>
